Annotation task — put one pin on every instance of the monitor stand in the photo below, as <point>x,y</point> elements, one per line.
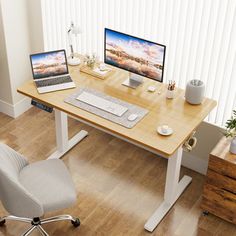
<point>133,81</point>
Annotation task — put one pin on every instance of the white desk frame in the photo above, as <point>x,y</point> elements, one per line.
<point>63,143</point>
<point>173,187</point>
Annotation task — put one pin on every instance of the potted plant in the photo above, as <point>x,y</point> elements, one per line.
<point>231,131</point>
<point>90,61</point>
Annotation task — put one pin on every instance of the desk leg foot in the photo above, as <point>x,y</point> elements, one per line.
<point>71,143</point>
<point>173,189</point>
<point>157,216</point>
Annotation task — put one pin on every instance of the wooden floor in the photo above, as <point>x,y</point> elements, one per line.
<point>118,184</point>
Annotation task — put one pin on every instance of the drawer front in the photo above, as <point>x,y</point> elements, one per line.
<point>221,181</point>
<point>222,167</point>
<point>219,202</point>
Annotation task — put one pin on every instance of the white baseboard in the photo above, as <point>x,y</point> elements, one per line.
<point>6,108</point>
<point>16,109</point>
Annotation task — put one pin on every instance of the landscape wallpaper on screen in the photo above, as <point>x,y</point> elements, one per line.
<point>135,55</point>
<point>49,64</point>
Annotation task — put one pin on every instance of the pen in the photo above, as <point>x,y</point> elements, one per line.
<point>171,85</point>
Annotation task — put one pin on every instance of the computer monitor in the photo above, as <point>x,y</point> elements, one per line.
<point>142,58</point>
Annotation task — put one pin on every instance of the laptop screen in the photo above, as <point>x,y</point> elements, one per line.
<point>49,64</point>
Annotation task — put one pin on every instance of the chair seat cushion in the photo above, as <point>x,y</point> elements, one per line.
<point>50,182</point>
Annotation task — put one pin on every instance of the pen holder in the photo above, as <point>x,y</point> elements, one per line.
<point>169,94</point>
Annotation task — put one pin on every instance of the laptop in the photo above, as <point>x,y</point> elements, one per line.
<point>50,71</point>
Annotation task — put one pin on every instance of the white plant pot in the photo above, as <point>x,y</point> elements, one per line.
<point>232,148</point>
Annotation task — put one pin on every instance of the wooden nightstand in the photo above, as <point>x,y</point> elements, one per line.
<point>219,194</point>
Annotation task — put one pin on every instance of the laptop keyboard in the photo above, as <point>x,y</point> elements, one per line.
<point>54,81</point>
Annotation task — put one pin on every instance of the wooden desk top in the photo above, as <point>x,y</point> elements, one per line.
<point>182,117</point>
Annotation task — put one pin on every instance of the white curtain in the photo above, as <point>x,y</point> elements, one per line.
<point>200,36</point>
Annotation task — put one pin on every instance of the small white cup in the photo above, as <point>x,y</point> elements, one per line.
<point>169,94</point>
<point>164,129</point>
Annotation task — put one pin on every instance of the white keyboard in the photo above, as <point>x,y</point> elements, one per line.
<point>102,103</point>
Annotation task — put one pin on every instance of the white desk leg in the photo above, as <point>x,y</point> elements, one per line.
<point>173,189</point>
<point>63,144</point>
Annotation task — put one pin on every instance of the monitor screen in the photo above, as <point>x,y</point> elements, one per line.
<point>49,64</point>
<point>135,55</point>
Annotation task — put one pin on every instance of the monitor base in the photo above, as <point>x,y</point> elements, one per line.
<point>133,81</point>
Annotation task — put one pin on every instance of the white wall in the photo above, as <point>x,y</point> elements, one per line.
<point>21,29</point>
<point>35,26</point>
<point>5,86</point>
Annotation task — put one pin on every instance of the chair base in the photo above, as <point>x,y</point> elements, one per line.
<point>36,223</point>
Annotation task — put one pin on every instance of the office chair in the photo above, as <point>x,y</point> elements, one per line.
<point>28,191</point>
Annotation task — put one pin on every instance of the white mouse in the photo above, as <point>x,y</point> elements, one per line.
<point>132,117</point>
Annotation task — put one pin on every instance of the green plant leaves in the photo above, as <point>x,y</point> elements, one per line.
<point>231,126</point>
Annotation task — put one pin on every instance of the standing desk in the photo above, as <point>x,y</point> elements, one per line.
<point>182,117</point>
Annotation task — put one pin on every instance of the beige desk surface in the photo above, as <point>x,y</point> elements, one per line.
<point>182,117</point>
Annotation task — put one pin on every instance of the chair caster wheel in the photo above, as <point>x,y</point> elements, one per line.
<point>2,222</point>
<point>76,222</point>
<point>205,213</point>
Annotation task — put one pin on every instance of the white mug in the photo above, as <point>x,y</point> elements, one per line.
<point>102,67</point>
<point>164,129</point>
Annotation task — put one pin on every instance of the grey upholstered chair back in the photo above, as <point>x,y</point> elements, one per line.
<point>14,197</point>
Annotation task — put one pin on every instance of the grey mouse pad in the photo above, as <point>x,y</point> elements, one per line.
<point>123,120</point>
